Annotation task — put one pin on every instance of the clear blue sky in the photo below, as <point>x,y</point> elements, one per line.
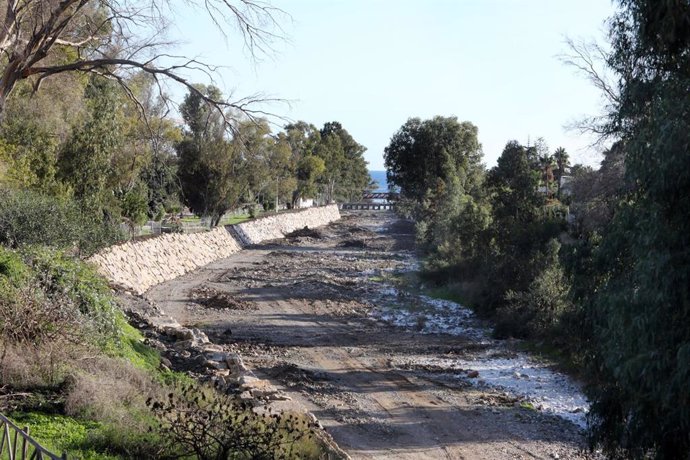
<point>372,64</point>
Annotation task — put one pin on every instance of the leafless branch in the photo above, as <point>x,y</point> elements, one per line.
<point>591,60</point>
<point>115,37</point>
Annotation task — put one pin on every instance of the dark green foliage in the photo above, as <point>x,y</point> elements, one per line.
<point>29,218</point>
<point>85,161</point>
<point>134,205</point>
<point>493,240</point>
<point>642,306</point>
<point>437,165</point>
<point>422,152</point>
<point>515,183</point>
<point>345,175</point>
<point>209,165</point>
<point>160,177</point>
<point>538,310</point>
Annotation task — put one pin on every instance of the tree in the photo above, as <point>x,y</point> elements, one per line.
<point>515,184</point>
<point>303,139</point>
<point>85,160</point>
<point>423,151</point>
<point>437,165</point>
<point>209,164</point>
<point>352,170</point>
<point>40,39</point>
<point>641,301</point>
<point>330,151</point>
<point>283,170</point>
<point>309,169</point>
<point>546,170</point>
<point>562,163</point>
<point>202,423</point>
<point>254,144</point>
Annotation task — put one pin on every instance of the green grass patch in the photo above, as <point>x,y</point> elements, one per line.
<point>232,220</point>
<point>59,433</point>
<point>528,406</point>
<point>446,293</point>
<point>130,347</point>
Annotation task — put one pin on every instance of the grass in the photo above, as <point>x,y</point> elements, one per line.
<point>131,348</point>
<point>142,356</point>
<point>232,220</point>
<point>59,433</point>
<point>445,293</point>
<point>528,406</point>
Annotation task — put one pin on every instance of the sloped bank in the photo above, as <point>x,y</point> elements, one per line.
<point>138,266</point>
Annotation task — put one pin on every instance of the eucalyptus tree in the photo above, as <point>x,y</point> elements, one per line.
<point>424,151</point>
<point>641,300</point>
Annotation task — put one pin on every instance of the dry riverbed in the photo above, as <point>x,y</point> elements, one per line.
<point>388,374</point>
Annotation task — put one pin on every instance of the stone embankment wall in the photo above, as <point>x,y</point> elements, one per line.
<point>277,226</point>
<point>139,265</point>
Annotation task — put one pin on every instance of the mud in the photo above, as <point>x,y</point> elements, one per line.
<point>301,311</point>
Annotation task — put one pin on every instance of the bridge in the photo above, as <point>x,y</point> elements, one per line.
<point>389,196</point>
<point>374,201</point>
<point>368,206</point>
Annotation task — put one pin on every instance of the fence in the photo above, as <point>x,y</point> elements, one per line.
<point>16,444</point>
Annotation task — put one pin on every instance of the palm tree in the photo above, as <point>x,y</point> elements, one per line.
<point>546,168</point>
<point>562,162</point>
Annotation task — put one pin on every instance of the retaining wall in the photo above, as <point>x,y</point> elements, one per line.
<point>278,225</point>
<point>140,265</point>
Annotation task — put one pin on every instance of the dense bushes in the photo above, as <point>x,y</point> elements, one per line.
<point>492,237</point>
<point>29,218</point>
<point>616,293</point>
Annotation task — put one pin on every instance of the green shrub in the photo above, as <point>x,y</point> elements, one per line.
<point>64,278</point>
<point>12,267</point>
<point>537,311</point>
<point>29,218</point>
<point>46,295</point>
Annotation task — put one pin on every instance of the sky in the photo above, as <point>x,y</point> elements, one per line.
<point>372,64</point>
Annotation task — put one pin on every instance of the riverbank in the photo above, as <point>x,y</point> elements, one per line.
<point>305,314</point>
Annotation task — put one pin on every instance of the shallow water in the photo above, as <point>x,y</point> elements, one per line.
<point>516,373</point>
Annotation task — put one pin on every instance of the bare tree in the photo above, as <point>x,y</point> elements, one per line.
<point>112,38</point>
<point>591,59</point>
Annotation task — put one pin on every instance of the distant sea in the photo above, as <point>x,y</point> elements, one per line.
<point>380,178</point>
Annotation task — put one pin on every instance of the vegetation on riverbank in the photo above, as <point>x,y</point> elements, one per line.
<point>608,285</point>
<point>75,372</point>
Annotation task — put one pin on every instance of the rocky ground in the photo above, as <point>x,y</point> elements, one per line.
<point>305,315</point>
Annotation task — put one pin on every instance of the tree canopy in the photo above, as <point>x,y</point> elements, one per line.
<point>424,151</point>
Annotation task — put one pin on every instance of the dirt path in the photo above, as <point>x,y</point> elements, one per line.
<point>298,311</point>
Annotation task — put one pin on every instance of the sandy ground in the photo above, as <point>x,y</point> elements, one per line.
<point>299,312</point>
